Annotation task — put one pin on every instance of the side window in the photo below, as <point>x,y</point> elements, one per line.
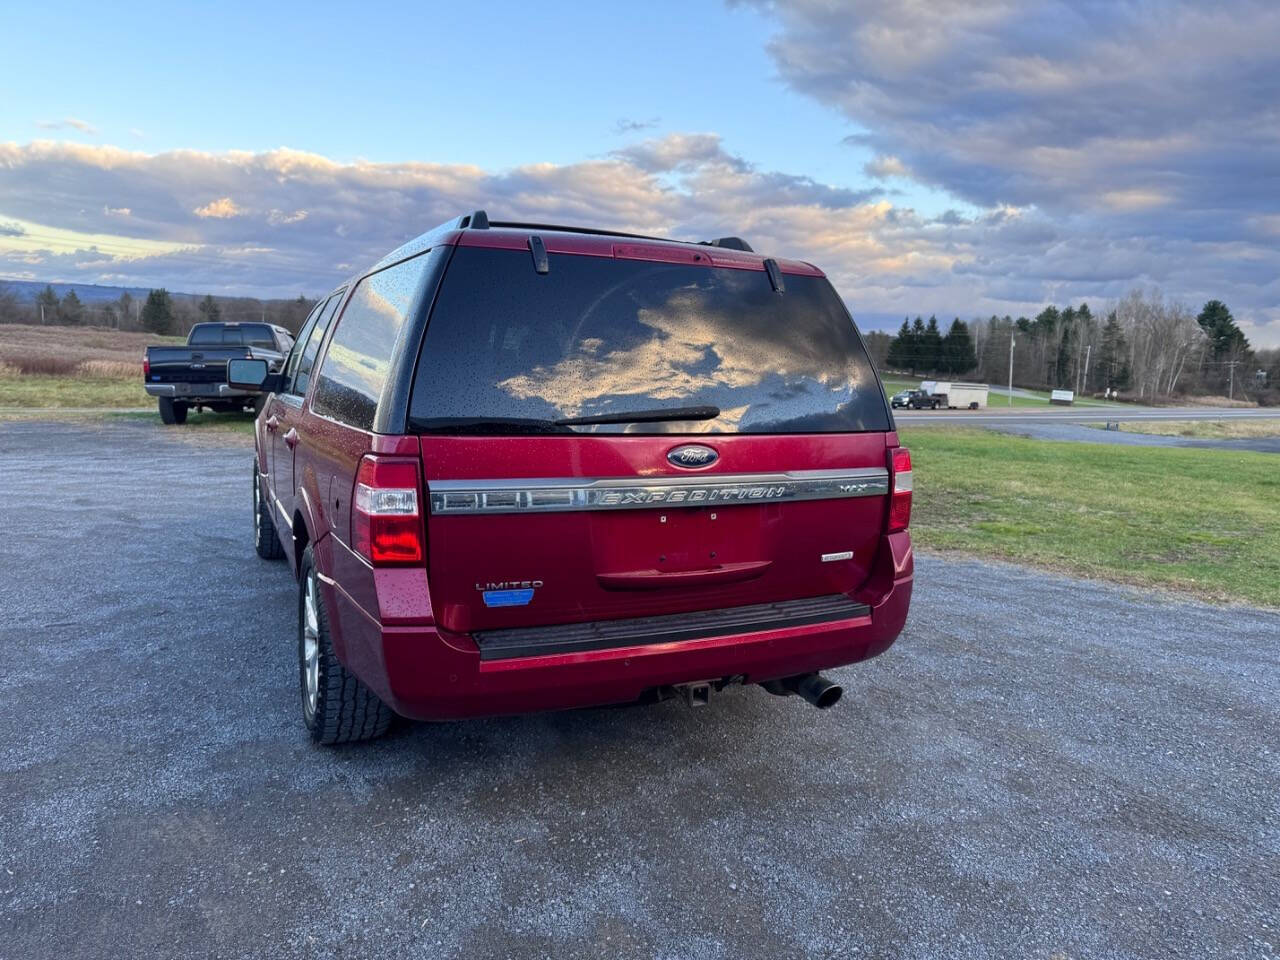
<point>295,355</point>
<point>257,335</point>
<point>205,335</point>
<point>356,365</point>
<point>302,375</point>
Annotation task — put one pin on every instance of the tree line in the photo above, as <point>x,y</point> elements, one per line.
<point>1144,346</point>
<point>159,312</point>
<point>921,347</point>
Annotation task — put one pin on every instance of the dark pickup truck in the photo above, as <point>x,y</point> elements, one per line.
<point>196,375</point>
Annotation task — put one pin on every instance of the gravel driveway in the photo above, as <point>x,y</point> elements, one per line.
<point>1041,767</point>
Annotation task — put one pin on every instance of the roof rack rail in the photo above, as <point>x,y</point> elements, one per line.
<point>561,228</point>
<point>728,243</point>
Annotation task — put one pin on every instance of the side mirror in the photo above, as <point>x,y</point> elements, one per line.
<point>247,374</point>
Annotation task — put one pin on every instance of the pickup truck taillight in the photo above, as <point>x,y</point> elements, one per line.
<point>900,498</point>
<point>146,367</point>
<point>386,522</point>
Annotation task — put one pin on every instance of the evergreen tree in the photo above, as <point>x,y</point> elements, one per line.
<point>917,346</point>
<point>1113,357</point>
<point>71,310</point>
<point>931,346</point>
<point>157,312</point>
<point>1067,339</point>
<point>1228,340</point>
<point>902,348</point>
<point>957,350</point>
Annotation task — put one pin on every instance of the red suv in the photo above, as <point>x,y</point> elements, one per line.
<point>524,467</point>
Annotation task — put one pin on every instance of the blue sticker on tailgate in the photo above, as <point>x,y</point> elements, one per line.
<point>507,598</point>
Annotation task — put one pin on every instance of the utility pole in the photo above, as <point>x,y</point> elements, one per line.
<point>1231,383</point>
<point>1085,386</point>
<point>1011,342</point>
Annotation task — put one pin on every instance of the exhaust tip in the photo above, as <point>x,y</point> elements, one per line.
<point>829,696</point>
<point>815,688</point>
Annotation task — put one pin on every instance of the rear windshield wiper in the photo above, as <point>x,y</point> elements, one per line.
<point>656,415</point>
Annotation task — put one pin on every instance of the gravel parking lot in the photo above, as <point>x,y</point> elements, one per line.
<point>1041,767</point>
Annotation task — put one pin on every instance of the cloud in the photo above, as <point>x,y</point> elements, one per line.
<point>222,209</point>
<point>1142,135</point>
<point>883,167</point>
<point>304,223</point>
<point>116,211</point>
<point>70,123</point>
<point>278,218</point>
<point>626,125</point>
<point>11,229</point>
<point>1063,106</point>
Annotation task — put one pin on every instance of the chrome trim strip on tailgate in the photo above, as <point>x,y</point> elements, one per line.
<point>541,495</point>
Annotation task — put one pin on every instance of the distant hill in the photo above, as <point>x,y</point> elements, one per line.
<point>87,292</point>
<point>99,306</point>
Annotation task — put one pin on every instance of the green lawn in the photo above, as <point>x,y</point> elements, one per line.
<point>1202,521</point>
<point>34,390</point>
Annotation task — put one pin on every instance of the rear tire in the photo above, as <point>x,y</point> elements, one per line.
<point>172,412</point>
<point>266,541</point>
<point>336,706</point>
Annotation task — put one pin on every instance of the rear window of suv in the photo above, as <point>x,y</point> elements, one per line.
<point>245,335</point>
<point>508,350</point>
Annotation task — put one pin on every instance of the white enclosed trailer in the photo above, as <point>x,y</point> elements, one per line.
<point>957,396</point>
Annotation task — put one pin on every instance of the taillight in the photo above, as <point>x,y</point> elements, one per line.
<point>146,367</point>
<point>900,500</point>
<point>386,525</point>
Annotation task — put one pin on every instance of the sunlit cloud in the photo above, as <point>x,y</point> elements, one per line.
<point>285,222</point>
<point>220,209</point>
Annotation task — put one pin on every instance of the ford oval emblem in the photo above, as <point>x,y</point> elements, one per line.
<point>691,456</point>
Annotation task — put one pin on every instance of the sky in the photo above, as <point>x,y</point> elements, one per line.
<point>957,158</point>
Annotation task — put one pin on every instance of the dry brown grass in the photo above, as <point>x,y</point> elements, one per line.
<point>1214,402</point>
<point>96,352</point>
<point>1204,429</point>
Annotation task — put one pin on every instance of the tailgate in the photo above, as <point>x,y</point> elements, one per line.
<point>589,528</point>
<point>191,364</point>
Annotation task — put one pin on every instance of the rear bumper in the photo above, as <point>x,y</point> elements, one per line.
<point>428,674</point>
<point>203,391</point>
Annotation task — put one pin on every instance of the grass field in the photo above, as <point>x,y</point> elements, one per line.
<point>73,366</point>
<point>34,391</point>
<point>1202,429</point>
<point>1203,521</point>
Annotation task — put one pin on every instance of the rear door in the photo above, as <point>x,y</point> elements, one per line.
<point>287,409</point>
<point>768,481</point>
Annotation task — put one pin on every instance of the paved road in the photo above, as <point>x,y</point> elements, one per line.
<point>1042,767</point>
<point>994,415</point>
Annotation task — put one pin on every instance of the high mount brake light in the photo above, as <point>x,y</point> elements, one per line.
<point>900,500</point>
<point>386,521</point>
